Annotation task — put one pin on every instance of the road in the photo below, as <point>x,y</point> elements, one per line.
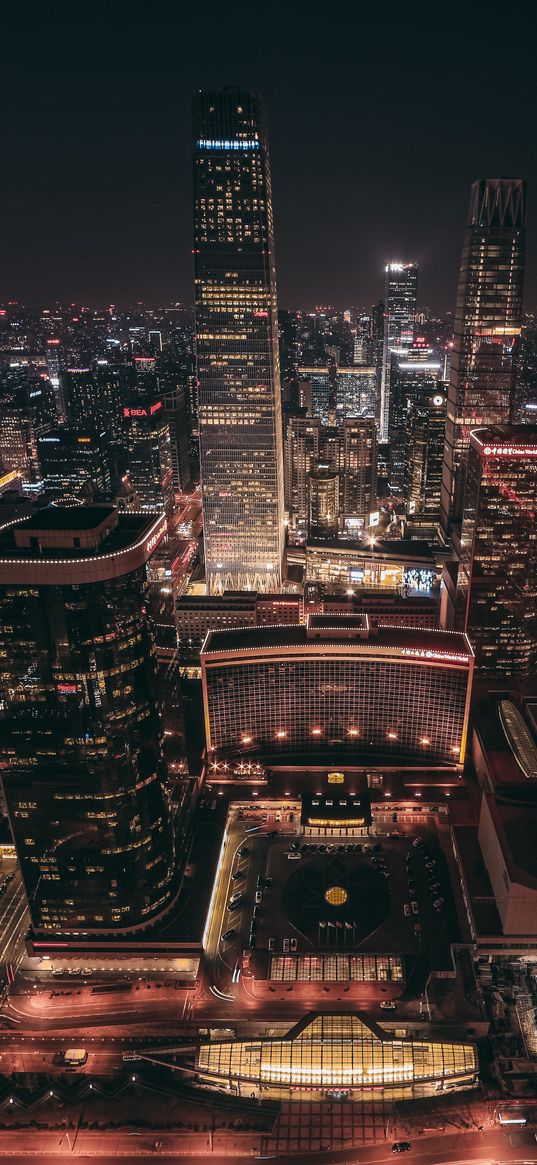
<point>13,917</point>
<point>485,1148</point>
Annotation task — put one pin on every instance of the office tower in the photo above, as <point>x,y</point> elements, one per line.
<point>525,408</point>
<point>324,503</point>
<point>71,459</point>
<point>393,692</point>
<point>53,369</point>
<point>497,585</point>
<point>400,302</point>
<point>487,325</point>
<point>355,393</point>
<point>237,346</point>
<point>175,412</point>
<point>18,445</point>
<point>425,427</point>
<point>363,344</point>
<point>80,740</point>
<point>148,451</point>
<point>413,372</point>
<point>301,454</point>
<point>357,471</point>
<point>320,390</point>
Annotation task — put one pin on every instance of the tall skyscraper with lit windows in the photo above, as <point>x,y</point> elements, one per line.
<point>488,323</point>
<point>400,303</point>
<point>237,346</point>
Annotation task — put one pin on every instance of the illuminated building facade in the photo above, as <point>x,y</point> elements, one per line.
<point>497,584</point>
<point>70,458</point>
<point>81,751</point>
<point>237,346</point>
<point>357,470</point>
<point>301,454</point>
<point>355,393</point>
<point>424,434</point>
<point>345,1052</point>
<point>400,304</point>
<point>336,684</point>
<point>487,326</point>
<point>403,565</point>
<point>149,454</point>
<point>320,392</point>
<point>413,372</point>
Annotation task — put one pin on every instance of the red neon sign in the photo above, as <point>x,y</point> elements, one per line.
<point>67,689</point>
<point>127,412</point>
<point>154,408</point>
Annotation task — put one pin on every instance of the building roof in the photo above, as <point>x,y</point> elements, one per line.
<point>294,635</point>
<point>384,548</point>
<point>504,435</point>
<point>68,518</point>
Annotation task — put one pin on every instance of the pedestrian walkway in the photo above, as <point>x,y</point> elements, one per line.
<point>306,1125</point>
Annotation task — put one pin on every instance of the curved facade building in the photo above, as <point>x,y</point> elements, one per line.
<point>398,694</point>
<point>344,1052</point>
<point>81,755</point>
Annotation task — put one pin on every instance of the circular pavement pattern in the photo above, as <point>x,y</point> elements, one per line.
<point>334,889</point>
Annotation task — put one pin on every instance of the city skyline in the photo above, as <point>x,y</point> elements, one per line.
<point>81,227</point>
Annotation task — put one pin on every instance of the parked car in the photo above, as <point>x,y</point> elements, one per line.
<point>294,857</point>
<point>228,935</point>
<point>415,907</point>
<point>271,944</point>
<point>237,874</point>
<point>438,903</point>
<point>243,851</point>
<point>388,1005</point>
<point>406,910</point>
<point>293,944</point>
<point>286,944</point>
<point>401,1146</point>
<point>258,897</point>
<point>235,901</point>
<point>252,942</point>
<point>256,912</point>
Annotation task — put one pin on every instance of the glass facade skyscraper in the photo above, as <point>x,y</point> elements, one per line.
<point>497,583</point>
<point>488,323</point>
<point>237,346</point>
<point>80,732</point>
<point>400,303</point>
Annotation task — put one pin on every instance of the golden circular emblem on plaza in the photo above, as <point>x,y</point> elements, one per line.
<point>336,895</point>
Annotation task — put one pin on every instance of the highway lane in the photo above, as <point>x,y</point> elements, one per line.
<point>174,1149</point>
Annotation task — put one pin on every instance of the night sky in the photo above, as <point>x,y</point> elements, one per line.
<point>378,124</point>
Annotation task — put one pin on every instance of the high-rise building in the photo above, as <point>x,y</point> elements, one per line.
<point>425,426</point>
<point>391,693</point>
<point>301,454</point>
<point>357,470</point>
<point>355,393</point>
<point>400,303</point>
<point>237,346</point>
<point>149,455</point>
<point>324,503</point>
<point>320,391</point>
<point>488,323</point>
<point>80,738</point>
<point>497,584</point>
<point>72,458</point>
<point>413,372</point>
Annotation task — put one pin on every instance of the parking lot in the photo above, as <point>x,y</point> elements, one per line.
<point>280,891</point>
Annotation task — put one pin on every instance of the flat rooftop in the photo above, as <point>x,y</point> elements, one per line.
<point>392,549</point>
<point>71,518</point>
<point>293,635</point>
<point>129,530</point>
<point>510,434</point>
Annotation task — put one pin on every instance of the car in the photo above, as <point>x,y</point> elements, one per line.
<point>417,928</point>
<point>285,944</point>
<point>415,907</point>
<point>253,926</point>
<point>252,942</point>
<point>58,972</point>
<point>401,1146</point>
<point>434,887</point>
<point>290,817</point>
<point>273,833</point>
<point>406,910</point>
<point>237,874</point>
<point>256,911</point>
<point>268,882</point>
<point>295,845</point>
<point>243,851</point>
<point>341,849</point>
<point>277,816</point>
<point>349,849</point>
<point>430,865</point>
<point>228,935</point>
<point>294,857</point>
<point>258,897</point>
<point>293,944</point>
<point>271,944</point>
<point>260,882</point>
<point>87,971</point>
<point>394,833</point>
<point>417,843</point>
<point>388,1005</point>
<point>322,848</point>
<point>512,1115</point>
<point>235,902</point>
<point>438,903</point>
<point>376,848</point>
<point>74,971</point>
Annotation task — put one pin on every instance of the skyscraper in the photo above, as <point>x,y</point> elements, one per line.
<point>497,585</point>
<point>80,735</point>
<point>425,425</point>
<point>237,346</point>
<point>487,325</point>
<point>301,449</point>
<point>357,471</point>
<point>400,303</point>
<point>413,371</point>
